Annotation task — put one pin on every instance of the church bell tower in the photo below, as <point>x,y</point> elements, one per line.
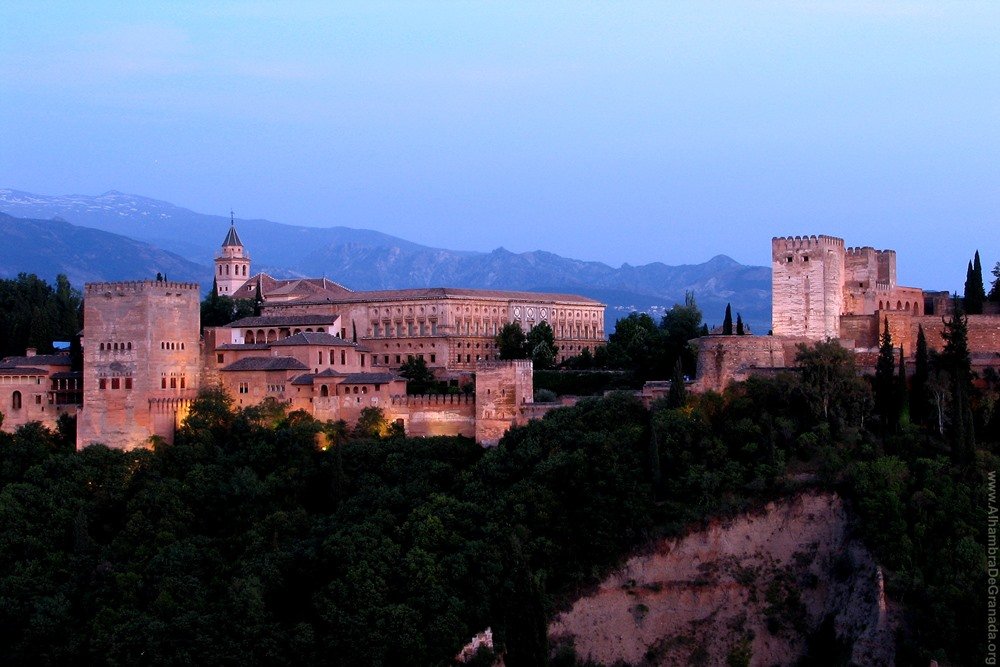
<point>232,266</point>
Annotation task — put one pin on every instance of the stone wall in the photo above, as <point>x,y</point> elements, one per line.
<point>502,387</point>
<point>807,286</point>
<point>726,359</point>
<point>141,360</point>
<point>434,414</point>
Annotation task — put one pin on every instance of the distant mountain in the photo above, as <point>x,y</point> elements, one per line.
<point>366,259</point>
<point>50,247</point>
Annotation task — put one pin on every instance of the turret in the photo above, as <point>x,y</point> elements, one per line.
<point>232,266</point>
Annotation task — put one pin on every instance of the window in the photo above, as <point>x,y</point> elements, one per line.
<point>128,383</point>
<point>38,399</point>
<point>220,357</point>
<point>163,383</point>
<point>116,383</point>
<point>183,378</point>
<point>324,390</point>
<point>387,360</point>
<point>362,360</point>
<point>343,357</point>
<point>102,384</point>
<point>244,388</point>
<point>433,358</point>
<point>321,356</point>
<point>173,383</point>
<point>15,400</point>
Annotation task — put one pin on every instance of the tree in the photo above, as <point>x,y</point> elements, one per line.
<point>994,294</point>
<point>902,404</point>
<point>679,326</point>
<point>885,383</point>
<point>974,292</point>
<point>918,384</point>
<point>831,383</point>
<point>739,325</point>
<point>419,378</point>
<point>511,341</point>
<point>956,363</point>
<point>541,342</point>
<point>727,323</point>
<point>371,424</point>
<point>678,390</point>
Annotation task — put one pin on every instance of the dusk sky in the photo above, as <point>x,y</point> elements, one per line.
<point>619,132</point>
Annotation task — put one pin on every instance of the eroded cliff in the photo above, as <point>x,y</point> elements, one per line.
<point>762,589</point>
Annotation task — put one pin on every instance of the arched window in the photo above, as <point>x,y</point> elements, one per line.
<point>248,337</point>
<point>324,390</point>
<point>355,390</point>
<point>899,305</point>
<point>916,309</point>
<point>907,306</point>
<point>244,269</point>
<point>15,400</point>
<point>227,269</point>
<point>102,347</point>
<point>220,269</point>
<point>128,345</point>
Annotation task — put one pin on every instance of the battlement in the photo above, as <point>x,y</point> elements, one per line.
<point>786,243</point>
<point>422,400</point>
<point>510,363</point>
<point>137,286</point>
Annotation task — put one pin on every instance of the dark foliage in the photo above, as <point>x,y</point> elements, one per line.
<point>34,314</point>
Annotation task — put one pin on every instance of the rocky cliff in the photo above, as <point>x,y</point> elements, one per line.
<point>767,588</point>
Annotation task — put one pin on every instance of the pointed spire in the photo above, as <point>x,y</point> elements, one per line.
<point>232,238</point>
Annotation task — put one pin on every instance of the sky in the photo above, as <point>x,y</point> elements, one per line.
<point>626,132</point>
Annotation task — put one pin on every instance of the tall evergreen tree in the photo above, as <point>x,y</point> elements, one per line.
<point>678,390</point>
<point>727,323</point>
<point>995,289</point>
<point>975,295</point>
<point>258,299</point>
<point>739,325</point>
<point>955,361</point>
<point>902,402</point>
<point>885,382</point>
<point>918,385</point>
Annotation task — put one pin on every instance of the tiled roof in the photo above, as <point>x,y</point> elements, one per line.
<point>370,378</point>
<point>282,321</point>
<point>39,360</point>
<point>66,375</point>
<point>266,364</point>
<point>10,369</point>
<point>313,338</point>
<point>232,238</point>
<point>427,293</point>
<point>305,378</point>
<point>243,346</point>
<point>296,288</point>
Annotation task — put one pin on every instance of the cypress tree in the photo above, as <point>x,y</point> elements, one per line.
<point>727,323</point>
<point>739,325</point>
<point>678,391</point>
<point>918,386</point>
<point>995,289</point>
<point>975,295</point>
<point>955,361</point>
<point>885,390</point>
<point>258,299</point>
<point>902,402</point>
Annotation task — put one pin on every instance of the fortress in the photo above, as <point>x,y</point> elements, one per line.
<point>317,346</point>
<point>822,290</point>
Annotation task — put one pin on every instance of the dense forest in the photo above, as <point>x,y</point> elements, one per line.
<point>266,537</point>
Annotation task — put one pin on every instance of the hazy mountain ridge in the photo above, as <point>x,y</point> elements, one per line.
<point>50,247</point>
<point>367,259</point>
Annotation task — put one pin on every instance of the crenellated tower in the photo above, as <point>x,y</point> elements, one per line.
<point>232,266</point>
<point>807,286</point>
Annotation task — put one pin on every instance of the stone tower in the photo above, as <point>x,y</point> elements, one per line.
<point>807,286</point>
<point>232,266</point>
<point>502,388</point>
<point>141,360</point>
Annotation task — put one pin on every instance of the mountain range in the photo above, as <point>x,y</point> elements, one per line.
<point>116,236</point>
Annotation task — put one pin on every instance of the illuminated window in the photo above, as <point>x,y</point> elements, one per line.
<point>15,400</point>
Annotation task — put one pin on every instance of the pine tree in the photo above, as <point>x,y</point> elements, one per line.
<point>918,385</point>
<point>885,390</point>
<point>727,323</point>
<point>739,325</point>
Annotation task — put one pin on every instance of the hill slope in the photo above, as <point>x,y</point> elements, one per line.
<point>366,259</point>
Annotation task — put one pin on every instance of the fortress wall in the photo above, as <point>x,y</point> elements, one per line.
<point>726,359</point>
<point>502,388</point>
<point>429,415</point>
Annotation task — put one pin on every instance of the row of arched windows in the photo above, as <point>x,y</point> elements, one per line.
<point>168,345</point>
<point>237,271</point>
<point>900,305</point>
<point>115,347</point>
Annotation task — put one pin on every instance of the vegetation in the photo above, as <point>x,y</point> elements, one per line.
<point>219,310</point>
<point>539,344</point>
<point>267,536</point>
<point>33,314</point>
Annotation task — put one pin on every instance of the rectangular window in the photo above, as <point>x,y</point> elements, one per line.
<point>102,384</point>
<point>321,356</point>
<point>343,357</point>
<point>362,361</point>
<point>397,359</point>
<point>128,383</point>
<point>38,399</point>
<point>387,360</point>
<point>163,383</point>
<point>433,358</point>
<point>173,383</point>
<point>116,383</point>
<point>183,381</point>
<point>220,358</point>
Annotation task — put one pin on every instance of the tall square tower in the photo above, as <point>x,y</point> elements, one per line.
<point>141,360</point>
<point>807,286</point>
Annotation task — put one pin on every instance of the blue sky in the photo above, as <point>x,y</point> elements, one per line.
<point>620,132</point>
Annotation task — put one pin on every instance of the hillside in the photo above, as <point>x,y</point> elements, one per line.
<point>50,247</point>
<point>366,259</point>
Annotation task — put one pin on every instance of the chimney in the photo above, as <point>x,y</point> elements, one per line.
<point>30,352</point>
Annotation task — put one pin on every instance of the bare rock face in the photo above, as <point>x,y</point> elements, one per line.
<point>762,589</point>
